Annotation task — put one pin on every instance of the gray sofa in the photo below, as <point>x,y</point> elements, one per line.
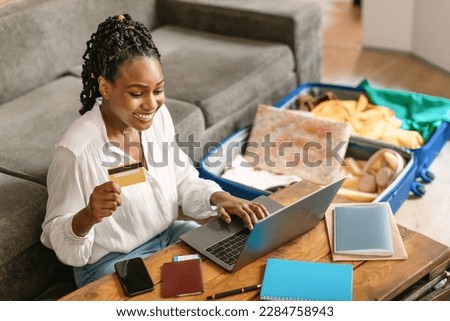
<point>220,59</point>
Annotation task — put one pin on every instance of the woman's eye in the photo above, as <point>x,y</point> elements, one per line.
<point>159,91</point>
<point>136,94</point>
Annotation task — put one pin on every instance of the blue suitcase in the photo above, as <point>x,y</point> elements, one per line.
<point>424,156</point>
<point>410,180</point>
<point>214,163</point>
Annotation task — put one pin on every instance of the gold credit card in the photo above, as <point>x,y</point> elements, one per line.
<point>127,175</point>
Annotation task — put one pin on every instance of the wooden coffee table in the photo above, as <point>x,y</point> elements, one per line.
<point>372,280</point>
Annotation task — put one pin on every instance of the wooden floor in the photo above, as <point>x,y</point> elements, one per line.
<point>347,63</point>
<point>2,2</point>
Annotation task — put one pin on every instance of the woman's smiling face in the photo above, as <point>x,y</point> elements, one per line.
<point>135,95</point>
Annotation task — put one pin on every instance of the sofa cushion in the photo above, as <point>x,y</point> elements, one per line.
<point>35,273</point>
<point>27,268</point>
<point>187,118</point>
<point>22,212</point>
<point>245,116</point>
<point>42,39</point>
<point>31,125</point>
<point>219,74</point>
<point>189,124</point>
<point>295,23</point>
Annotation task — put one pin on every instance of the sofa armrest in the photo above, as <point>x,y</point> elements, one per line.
<point>296,23</point>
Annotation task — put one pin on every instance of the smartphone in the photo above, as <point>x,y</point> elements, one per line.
<point>133,276</point>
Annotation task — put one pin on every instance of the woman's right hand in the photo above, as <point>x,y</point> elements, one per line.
<point>104,200</point>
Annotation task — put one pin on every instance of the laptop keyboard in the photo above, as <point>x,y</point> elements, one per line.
<point>228,249</point>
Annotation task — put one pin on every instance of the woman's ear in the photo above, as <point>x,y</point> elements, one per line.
<point>104,87</point>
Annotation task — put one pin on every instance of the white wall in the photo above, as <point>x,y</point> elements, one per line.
<point>388,24</point>
<point>418,26</point>
<point>431,32</point>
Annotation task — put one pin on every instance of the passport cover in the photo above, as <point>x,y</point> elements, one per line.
<point>182,278</point>
<point>363,229</point>
<point>302,280</point>
<point>399,248</point>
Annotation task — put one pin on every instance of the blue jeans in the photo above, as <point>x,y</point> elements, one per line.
<point>91,272</point>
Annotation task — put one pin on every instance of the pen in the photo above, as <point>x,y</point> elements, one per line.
<point>232,292</point>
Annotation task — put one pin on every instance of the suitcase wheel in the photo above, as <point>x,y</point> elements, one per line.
<point>426,175</point>
<point>418,189</point>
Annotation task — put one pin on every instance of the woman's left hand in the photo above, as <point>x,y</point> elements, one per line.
<point>227,204</point>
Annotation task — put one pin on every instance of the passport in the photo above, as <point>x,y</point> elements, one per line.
<point>182,278</point>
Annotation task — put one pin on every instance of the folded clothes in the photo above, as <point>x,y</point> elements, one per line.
<point>365,180</point>
<point>242,172</point>
<point>370,121</point>
<point>419,112</point>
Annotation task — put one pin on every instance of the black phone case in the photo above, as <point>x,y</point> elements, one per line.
<point>133,276</point>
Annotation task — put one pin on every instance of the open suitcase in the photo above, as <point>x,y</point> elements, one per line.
<point>423,156</point>
<point>214,163</point>
<point>411,179</point>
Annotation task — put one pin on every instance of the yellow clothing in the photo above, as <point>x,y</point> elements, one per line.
<point>371,121</point>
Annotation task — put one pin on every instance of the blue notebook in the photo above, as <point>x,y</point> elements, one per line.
<point>302,280</point>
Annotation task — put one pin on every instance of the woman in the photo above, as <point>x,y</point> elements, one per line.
<point>91,221</point>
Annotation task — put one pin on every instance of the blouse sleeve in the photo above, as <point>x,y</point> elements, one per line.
<point>65,199</point>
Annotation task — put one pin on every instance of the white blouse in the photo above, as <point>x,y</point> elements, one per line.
<point>80,163</point>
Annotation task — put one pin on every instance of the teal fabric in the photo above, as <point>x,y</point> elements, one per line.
<point>419,112</point>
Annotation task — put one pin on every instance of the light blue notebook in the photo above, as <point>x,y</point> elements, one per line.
<point>302,280</point>
<point>363,229</point>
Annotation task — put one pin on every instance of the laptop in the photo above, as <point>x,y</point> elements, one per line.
<point>233,246</point>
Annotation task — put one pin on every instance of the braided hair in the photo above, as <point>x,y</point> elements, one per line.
<point>117,39</point>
